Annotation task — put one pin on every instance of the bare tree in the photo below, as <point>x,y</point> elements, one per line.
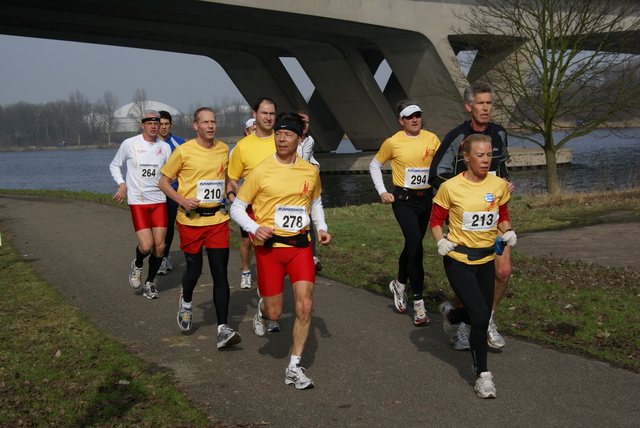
<point>105,109</point>
<point>140,102</point>
<point>78,110</point>
<point>547,59</point>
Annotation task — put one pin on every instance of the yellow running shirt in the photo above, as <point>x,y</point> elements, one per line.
<point>410,158</point>
<point>201,174</point>
<point>473,212</point>
<point>281,195</point>
<point>248,153</point>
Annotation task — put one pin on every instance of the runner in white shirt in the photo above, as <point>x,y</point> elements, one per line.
<point>143,156</point>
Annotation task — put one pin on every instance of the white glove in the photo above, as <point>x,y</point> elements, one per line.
<point>510,238</point>
<point>445,246</point>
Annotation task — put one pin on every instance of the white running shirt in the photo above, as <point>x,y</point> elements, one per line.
<point>143,160</point>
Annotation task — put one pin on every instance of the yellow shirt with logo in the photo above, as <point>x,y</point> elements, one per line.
<point>473,212</point>
<point>404,152</point>
<point>273,187</point>
<point>201,174</point>
<point>248,153</point>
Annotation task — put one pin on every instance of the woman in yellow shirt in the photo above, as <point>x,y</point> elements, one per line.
<point>410,152</point>
<point>476,204</point>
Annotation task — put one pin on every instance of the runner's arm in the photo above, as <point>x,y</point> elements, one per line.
<point>239,215</point>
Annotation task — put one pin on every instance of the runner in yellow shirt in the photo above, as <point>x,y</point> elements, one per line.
<point>409,152</point>
<point>284,191</point>
<point>248,153</point>
<point>200,166</point>
<point>475,202</point>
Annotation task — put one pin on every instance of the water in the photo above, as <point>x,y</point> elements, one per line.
<point>601,161</point>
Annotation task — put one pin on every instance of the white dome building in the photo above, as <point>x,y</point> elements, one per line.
<point>127,117</point>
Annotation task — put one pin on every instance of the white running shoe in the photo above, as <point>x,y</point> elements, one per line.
<point>228,337</point>
<point>245,282</point>
<point>295,376</point>
<point>135,275</point>
<point>399,296</point>
<point>165,266</point>
<point>259,325</point>
<point>460,342</point>
<point>420,316</point>
<point>494,339</point>
<point>184,316</point>
<point>150,291</point>
<point>484,387</point>
<point>449,329</point>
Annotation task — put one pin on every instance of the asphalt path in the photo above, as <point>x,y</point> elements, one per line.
<point>371,366</point>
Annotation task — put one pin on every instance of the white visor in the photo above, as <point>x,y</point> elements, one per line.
<point>409,110</point>
<point>250,122</point>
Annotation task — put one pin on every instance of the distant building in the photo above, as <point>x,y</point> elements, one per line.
<point>127,117</point>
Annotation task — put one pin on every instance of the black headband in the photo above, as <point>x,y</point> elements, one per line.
<point>150,119</point>
<point>289,126</point>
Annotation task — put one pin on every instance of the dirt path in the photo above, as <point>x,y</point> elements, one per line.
<point>371,367</point>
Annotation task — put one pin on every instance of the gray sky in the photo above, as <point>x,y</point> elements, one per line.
<point>40,70</point>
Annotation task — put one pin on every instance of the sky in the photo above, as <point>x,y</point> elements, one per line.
<point>40,70</point>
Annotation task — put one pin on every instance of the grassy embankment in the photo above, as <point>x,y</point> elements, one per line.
<point>587,309</point>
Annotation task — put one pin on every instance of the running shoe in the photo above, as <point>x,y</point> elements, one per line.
<point>399,296</point>
<point>484,387</point>
<point>184,316</point>
<point>295,376</point>
<point>317,264</point>
<point>228,337</point>
<point>273,326</point>
<point>150,291</point>
<point>259,325</point>
<point>460,342</point>
<point>449,329</point>
<point>134,276</point>
<point>494,339</point>
<point>165,266</point>
<point>245,282</point>
<point>420,316</point>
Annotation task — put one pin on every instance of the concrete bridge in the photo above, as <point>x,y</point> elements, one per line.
<point>340,44</point>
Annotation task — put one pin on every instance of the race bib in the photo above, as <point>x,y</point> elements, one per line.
<point>210,191</point>
<point>148,171</point>
<point>484,220</point>
<point>416,178</point>
<point>291,218</point>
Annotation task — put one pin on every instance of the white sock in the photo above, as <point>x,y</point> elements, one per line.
<point>491,319</point>
<point>259,311</point>
<point>187,305</point>
<point>295,361</point>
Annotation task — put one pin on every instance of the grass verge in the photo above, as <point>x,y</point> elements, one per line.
<point>56,367</point>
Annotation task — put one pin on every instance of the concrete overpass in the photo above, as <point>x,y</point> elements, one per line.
<point>339,43</point>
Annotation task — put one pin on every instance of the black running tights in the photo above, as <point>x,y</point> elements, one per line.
<point>218,260</point>
<point>473,284</point>
<point>413,218</point>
